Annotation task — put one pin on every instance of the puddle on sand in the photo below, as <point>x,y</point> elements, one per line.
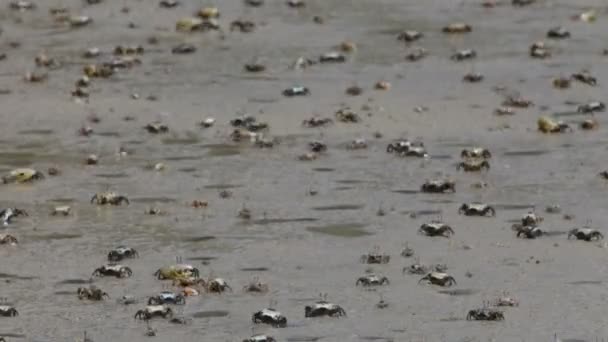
<point>112,175</point>
<point>406,192</point>
<point>459,292</point>
<point>197,238</point>
<point>210,314</point>
<point>324,169</point>
<point>352,181</point>
<point>55,236</point>
<point>180,141</point>
<point>525,153</point>
<point>513,206</point>
<point>222,150</point>
<point>187,169</point>
<point>62,200</point>
<point>339,207</point>
<point>304,338</point>
<point>202,258</point>
<point>74,282</point>
<point>422,212</point>
<point>41,131</point>
<point>15,276</point>
<point>17,158</point>
<point>64,293</point>
<point>222,186</point>
<point>342,188</point>
<point>376,338</point>
<point>14,335</point>
<point>349,230</point>
<point>153,200</point>
<point>108,134</point>
<point>254,269</point>
<point>284,220</point>
<point>441,157</point>
<point>586,282</point>
<point>183,158</point>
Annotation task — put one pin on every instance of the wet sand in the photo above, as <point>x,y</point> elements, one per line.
<point>309,244</point>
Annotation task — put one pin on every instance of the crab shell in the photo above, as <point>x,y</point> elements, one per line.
<point>269,316</point>
<point>586,234</point>
<point>323,308</point>
<point>457,28</point>
<point>217,285</point>
<point>476,152</point>
<point>479,209</point>
<point>372,279</point>
<point>439,278</point>
<point>23,175</point>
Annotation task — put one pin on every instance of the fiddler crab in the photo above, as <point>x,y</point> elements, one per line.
<point>418,268</point>
<point>7,215</point>
<point>476,152</point>
<point>463,55</point>
<point>504,110</point>
<point>61,210</point>
<point>296,91</point>
<point>156,127</point>
<point>175,272</point>
<point>269,316</point>
<point>476,209</point>
<point>357,144</point>
<point>8,311</point>
<point>517,102</point>
<point>529,232</point>
<point>561,83</point>
<point>243,26</point>
<point>585,234</point>
<point>591,107</point>
<point>506,300</point>
<point>217,285</point>
<point>585,77</point>
<point>546,125</point>
<point>21,5</point>
<point>416,54</point>
<point>152,311</point>
<point>402,146</point>
<point>22,176</point>
<point>438,186</point>
<point>558,33</point>
<point>128,50</point>
<point>409,36</point>
<point>457,28</point>
<point>375,257</point>
<point>436,228</point>
<point>324,308</point>
<point>113,270</point>
<point>473,77</point>
<point>122,252</point>
<point>317,146</point>
<point>316,121</point>
<point>347,115</point>
<point>6,239</point>
<point>109,198</point>
<point>472,165</point>
<point>485,314</point>
<point>256,286</point>
<point>438,278</point>
<point>372,280</point>
<point>167,297</point>
<point>91,293</point>
<point>407,251</point>
<point>260,338</point>
<point>332,57</point>
<point>539,50</point>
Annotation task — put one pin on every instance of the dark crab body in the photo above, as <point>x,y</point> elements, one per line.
<point>485,314</point>
<point>243,26</point>
<point>255,67</point>
<point>540,50</point>
<point>323,308</point>
<point>402,146</point>
<point>585,77</point>
<point>409,36</point>
<point>269,316</point>
<point>218,285</point>
<point>517,102</point>
<point>529,232</point>
<point>375,258</point>
<point>156,127</point>
<point>416,54</point>
<point>332,57</point>
<point>591,107</point>
<point>438,186</point>
<point>463,55</point>
<point>558,33</point>
<point>586,234</point>
<point>317,122</point>
<point>347,115</point>
<point>438,278</point>
<point>531,219</point>
<point>122,252</point>
<point>476,209</point>
<point>473,77</point>
<point>113,270</point>
<point>296,91</point>
<point>8,311</point>
<point>167,297</point>
<point>6,239</point>
<point>317,146</point>
<point>7,215</point>
<point>111,198</point>
<point>372,280</point>
<point>476,152</point>
<point>152,311</point>
<point>260,338</point>
<point>436,228</point>
<point>473,165</point>
<point>91,293</point>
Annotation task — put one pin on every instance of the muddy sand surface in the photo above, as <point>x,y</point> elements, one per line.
<point>302,244</point>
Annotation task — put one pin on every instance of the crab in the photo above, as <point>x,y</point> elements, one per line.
<point>156,127</point>
<point>152,311</point>
<point>109,198</point>
<point>7,215</point>
<point>529,232</point>
<point>521,3</point>
<point>561,83</point>
<point>504,110</point>
<point>347,115</point>
<point>91,293</point>
<point>207,122</point>
<point>472,77</point>
<point>269,316</point>
<point>256,286</point>
<point>418,268</point>
<point>317,146</point>
<point>546,125</point>
<point>316,121</point>
<point>374,257</point>
<point>476,152</point>
<point>120,50</point>
<point>296,91</point>
<point>586,234</point>
<point>372,280</point>
<point>505,300</point>
<point>462,55</point>
<point>122,252</point>
<point>243,26</point>
<point>457,28</point>
<point>589,124</point>
<point>517,102</point>
<point>485,314</point>
<point>540,50</point>
<point>168,3</point>
<point>177,271</point>
<point>260,338</point>
<point>585,77</point>
<point>558,33</point>
<point>591,107</point>
<point>436,228</point>
<point>415,151</point>
<point>439,278</point>
<point>79,20</point>
<point>416,54</point>
<point>309,156</point>
<point>21,5</point>
<point>324,308</point>
<point>402,146</point>
<point>531,219</point>
<point>217,285</point>
<point>296,3</point>
<point>332,57</point>
<point>114,270</point>
<point>6,239</point>
<point>98,71</point>
<point>8,311</point>
<point>438,186</point>
<point>255,67</point>
<point>473,165</point>
<point>357,144</point>
<point>409,36</point>
<point>476,209</point>
<point>24,175</point>
<point>407,251</point>
<point>254,3</point>
<point>167,297</point>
